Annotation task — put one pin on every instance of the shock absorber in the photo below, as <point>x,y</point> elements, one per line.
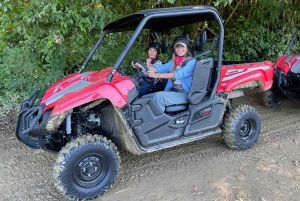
<point>77,124</point>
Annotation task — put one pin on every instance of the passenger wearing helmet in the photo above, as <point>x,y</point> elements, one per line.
<point>152,56</point>
<point>178,71</point>
<point>151,59</point>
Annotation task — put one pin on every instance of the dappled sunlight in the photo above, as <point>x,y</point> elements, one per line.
<point>268,174</point>
<point>228,189</point>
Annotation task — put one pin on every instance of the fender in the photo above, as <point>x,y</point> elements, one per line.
<point>233,76</point>
<point>79,89</point>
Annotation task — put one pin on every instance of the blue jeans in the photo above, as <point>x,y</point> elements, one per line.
<point>166,98</point>
<point>146,88</point>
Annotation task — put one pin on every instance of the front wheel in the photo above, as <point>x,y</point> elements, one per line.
<point>241,127</point>
<point>86,167</point>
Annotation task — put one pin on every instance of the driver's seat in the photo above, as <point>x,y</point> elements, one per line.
<point>200,85</point>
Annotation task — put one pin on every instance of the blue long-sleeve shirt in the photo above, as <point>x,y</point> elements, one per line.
<point>185,74</point>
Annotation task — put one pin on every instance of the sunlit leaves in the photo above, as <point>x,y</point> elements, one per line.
<point>5,6</point>
<point>260,30</point>
<point>42,41</point>
<point>46,39</point>
<point>225,2</point>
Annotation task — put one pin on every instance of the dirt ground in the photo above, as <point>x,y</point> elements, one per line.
<point>206,170</point>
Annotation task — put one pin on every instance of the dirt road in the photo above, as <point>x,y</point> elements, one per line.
<point>205,170</point>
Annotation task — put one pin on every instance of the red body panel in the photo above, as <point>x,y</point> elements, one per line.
<point>78,89</point>
<point>238,74</point>
<point>285,63</point>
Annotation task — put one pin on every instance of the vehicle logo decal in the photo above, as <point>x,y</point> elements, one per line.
<point>205,112</point>
<point>247,71</point>
<point>234,71</point>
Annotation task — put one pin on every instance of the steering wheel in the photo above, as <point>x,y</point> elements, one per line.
<point>146,78</point>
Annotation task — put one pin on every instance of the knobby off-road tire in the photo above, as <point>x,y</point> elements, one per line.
<point>86,167</point>
<point>272,98</point>
<point>241,127</point>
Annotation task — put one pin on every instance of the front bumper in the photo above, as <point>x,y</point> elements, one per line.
<point>30,129</point>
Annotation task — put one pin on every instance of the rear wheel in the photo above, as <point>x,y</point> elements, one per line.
<point>241,127</point>
<point>86,167</point>
<point>272,98</point>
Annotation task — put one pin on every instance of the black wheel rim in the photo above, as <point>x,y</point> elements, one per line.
<point>248,129</point>
<point>90,171</point>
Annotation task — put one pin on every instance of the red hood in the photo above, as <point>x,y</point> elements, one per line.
<point>78,89</point>
<point>288,63</point>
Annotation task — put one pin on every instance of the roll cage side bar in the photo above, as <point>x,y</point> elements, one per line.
<point>141,25</point>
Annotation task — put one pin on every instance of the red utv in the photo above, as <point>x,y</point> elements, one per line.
<point>286,78</point>
<point>87,116</point>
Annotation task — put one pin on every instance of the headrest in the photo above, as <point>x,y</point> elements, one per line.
<point>164,45</point>
<point>201,41</point>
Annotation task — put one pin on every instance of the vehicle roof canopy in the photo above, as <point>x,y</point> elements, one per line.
<point>164,18</point>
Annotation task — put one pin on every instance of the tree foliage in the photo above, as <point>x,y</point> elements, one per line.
<point>42,41</point>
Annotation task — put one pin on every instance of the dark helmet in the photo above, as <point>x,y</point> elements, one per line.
<point>153,45</point>
<point>183,40</point>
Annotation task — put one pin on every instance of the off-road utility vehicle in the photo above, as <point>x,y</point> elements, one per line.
<point>286,78</point>
<point>88,115</point>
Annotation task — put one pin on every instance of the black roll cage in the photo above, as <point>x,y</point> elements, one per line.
<point>152,19</point>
